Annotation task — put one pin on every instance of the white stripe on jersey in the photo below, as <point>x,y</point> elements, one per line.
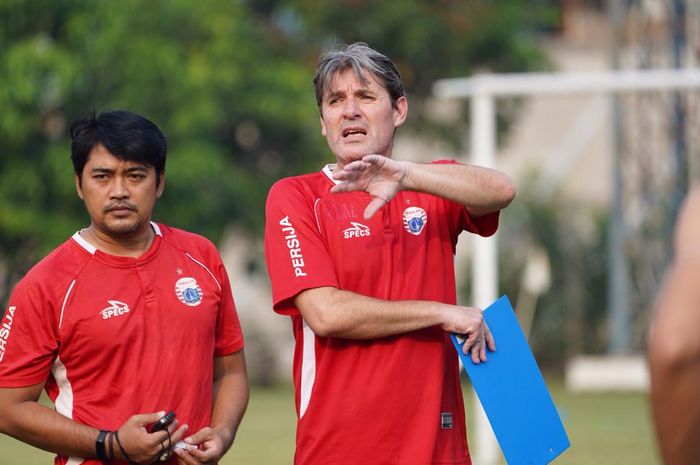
<point>64,400</point>
<point>83,243</point>
<point>65,299</point>
<point>328,171</point>
<point>205,267</point>
<point>308,368</point>
<point>318,223</point>
<point>92,249</point>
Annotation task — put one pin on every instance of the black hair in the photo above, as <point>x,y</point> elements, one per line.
<point>126,135</point>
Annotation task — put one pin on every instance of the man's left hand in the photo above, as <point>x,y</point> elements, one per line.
<point>379,176</point>
<point>207,448</point>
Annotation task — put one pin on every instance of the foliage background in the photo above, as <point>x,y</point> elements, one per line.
<point>229,82</point>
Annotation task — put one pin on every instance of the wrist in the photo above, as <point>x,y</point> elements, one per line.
<point>445,316</point>
<point>226,434</point>
<point>406,178</point>
<point>101,445</point>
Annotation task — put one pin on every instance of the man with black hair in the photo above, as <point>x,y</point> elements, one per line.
<point>124,321</point>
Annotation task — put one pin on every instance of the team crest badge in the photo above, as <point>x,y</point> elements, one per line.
<point>188,291</point>
<point>414,219</point>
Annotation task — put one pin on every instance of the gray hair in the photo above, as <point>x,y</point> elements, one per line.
<point>360,57</point>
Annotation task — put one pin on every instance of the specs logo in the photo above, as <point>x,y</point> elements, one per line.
<point>357,230</point>
<point>115,308</point>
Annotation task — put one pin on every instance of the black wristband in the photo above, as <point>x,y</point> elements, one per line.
<point>121,448</point>
<point>100,445</point>
<point>111,446</point>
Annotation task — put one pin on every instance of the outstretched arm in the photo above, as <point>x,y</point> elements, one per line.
<point>334,312</point>
<point>674,346</point>
<point>480,190</point>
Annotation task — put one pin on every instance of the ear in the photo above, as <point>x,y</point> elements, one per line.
<point>161,185</point>
<point>401,111</point>
<point>323,127</point>
<point>78,187</point>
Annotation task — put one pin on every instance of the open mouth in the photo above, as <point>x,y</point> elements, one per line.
<point>348,132</point>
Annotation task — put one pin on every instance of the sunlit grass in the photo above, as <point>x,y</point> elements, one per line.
<point>607,428</point>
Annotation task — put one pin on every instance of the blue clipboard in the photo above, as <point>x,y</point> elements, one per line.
<point>513,393</point>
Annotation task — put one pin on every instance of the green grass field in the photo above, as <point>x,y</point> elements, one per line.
<point>604,429</point>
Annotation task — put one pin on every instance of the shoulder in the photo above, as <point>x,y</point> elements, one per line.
<point>297,189</point>
<point>188,242</point>
<point>54,271</point>
<point>304,182</point>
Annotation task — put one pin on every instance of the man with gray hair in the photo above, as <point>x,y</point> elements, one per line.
<point>360,256</point>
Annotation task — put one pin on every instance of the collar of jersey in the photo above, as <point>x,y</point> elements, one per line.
<point>116,260</point>
<point>328,171</point>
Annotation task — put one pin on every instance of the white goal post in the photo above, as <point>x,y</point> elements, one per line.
<point>483,90</point>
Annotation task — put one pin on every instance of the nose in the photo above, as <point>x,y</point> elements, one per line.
<point>119,189</point>
<point>350,108</point>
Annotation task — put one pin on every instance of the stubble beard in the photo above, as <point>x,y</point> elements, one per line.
<point>120,227</point>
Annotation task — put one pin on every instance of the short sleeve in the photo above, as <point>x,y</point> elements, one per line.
<point>461,220</point>
<point>482,225</point>
<point>295,251</point>
<point>28,337</point>
<point>229,336</point>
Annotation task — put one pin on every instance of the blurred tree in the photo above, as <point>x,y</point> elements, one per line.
<point>428,39</point>
<point>238,111</point>
<point>229,82</point>
<point>571,316</point>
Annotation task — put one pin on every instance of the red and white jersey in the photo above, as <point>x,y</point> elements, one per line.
<point>116,336</point>
<point>394,400</point>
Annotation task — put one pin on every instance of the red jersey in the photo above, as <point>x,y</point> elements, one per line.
<point>393,400</point>
<point>116,336</point>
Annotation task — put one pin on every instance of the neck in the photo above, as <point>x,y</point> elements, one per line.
<point>124,245</point>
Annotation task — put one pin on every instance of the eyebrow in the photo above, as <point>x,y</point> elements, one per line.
<point>131,169</point>
<point>360,91</point>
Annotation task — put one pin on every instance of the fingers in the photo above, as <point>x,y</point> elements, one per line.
<point>490,341</point>
<point>343,187</point>
<point>472,343</point>
<point>353,167</point>
<point>476,349</point>
<point>185,458</point>
<point>200,436</point>
<point>374,206</point>
<point>375,159</point>
<point>176,434</point>
<point>143,419</point>
<point>477,342</point>
<point>206,455</point>
<point>206,448</point>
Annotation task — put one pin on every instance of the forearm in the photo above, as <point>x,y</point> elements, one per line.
<point>677,412</point>
<point>674,361</point>
<point>230,396</point>
<point>480,190</point>
<point>42,427</point>
<point>333,312</point>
